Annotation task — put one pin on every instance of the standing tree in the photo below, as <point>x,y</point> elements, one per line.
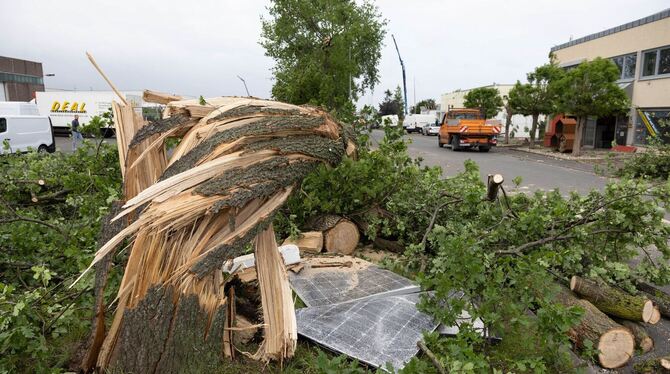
<point>390,104</point>
<point>537,96</point>
<point>326,52</point>
<point>590,89</point>
<point>397,97</point>
<point>509,112</point>
<point>487,99</point>
<point>427,103</point>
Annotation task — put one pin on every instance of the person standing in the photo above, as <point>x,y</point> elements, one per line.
<point>76,135</point>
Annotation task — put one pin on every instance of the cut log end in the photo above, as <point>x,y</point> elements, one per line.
<point>616,348</point>
<point>655,315</point>
<point>646,344</point>
<point>665,363</point>
<point>342,238</point>
<point>497,178</point>
<point>648,312</point>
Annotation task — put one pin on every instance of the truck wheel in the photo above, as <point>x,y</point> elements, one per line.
<point>439,142</point>
<point>42,149</point>
<point>455,143</point>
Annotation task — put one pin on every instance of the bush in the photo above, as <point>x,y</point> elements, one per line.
<point>47,237</point>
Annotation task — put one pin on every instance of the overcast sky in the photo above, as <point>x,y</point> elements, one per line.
<point>199,47</point>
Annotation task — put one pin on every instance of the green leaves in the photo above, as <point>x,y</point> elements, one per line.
<point>326,52</point>
<point>485,98</point>
<point>45,246</point>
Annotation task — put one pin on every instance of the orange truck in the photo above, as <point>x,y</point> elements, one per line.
<point>467,128</point>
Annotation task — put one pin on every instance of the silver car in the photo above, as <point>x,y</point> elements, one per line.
<point>430,129</point>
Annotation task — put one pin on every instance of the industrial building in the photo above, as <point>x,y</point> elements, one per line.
<point>520,124</point>
<point>20,79</point>
<point>641,50</point>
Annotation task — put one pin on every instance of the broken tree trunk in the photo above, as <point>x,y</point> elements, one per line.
<point>660,298</point>
<point>493,185</point>
<point>614,342</point>
<point>310,242</point>
<point>342,238</point>
<point>281,331</point>
<point>612,301</point>
<point>237,163</point>
<point>642,339</point>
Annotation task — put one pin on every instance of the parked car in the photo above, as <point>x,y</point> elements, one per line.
<point>22,133</point>
<point>431,128</point>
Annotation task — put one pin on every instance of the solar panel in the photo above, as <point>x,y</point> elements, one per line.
<point>375,331</point>
<point>328,286</point>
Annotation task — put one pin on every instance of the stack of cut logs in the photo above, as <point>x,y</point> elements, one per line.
<point>614,321</point>
<point>333,233</point>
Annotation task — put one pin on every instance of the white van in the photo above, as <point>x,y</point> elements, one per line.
<point>416,122</point>
<point>24,132</point>
<point>390,120</point>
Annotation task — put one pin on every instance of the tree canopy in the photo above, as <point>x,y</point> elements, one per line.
<point>427,103</point>
<point>485,98</point>
<point>392,103</point>
<point>536,97</point>
<point>590,89</point>
<point>326,52</point>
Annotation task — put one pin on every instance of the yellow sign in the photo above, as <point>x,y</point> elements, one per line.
<point>68,107</point>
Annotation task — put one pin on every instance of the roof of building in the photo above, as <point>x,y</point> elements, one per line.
<point>642,21</point>
<point>494,85</point>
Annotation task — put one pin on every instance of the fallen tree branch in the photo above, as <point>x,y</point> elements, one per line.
<point>432,357</point>
<point>525,248</point>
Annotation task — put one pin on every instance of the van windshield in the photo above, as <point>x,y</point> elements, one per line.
<point>464,116</point>
<point>3,125</point>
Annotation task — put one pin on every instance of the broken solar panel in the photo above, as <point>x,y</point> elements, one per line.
<point>375,331</point>
<point>327,286</point>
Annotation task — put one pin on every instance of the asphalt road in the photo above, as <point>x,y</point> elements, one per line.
<point>537,172</point>
<point>64,144</point>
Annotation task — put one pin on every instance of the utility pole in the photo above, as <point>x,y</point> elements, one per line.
<point>404,79</point>
<point>245,85</point>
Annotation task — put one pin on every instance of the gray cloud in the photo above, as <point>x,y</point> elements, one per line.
<point>199,47</point>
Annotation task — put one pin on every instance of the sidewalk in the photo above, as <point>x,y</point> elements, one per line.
<point>587,155</point>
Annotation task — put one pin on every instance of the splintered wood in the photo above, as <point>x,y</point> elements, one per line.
<point>237,163</point>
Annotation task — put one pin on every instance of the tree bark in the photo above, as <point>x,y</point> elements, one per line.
<point>612,301</point>
<point>108,230</point>
<point>642,339</point>
<point>579,129</point>
<point>508,122</point>
<point>660,298</point>
<point>654,365</point>
<point>161,336</point>
<point>533,130</point>
<point>493,185</point>
<point>388,245</point>
<point>615,343</point>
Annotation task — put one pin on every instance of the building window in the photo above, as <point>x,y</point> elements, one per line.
<point>626,65</point>
<point>3,125</point>
<point>656,62</point>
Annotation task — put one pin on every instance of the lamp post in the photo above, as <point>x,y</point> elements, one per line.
<point>245,85</point>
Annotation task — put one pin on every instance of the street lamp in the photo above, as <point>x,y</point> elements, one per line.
<point>245,85</point>
<point>50,75</point>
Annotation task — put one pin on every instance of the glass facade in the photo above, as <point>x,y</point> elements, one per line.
<point>21,78</point>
